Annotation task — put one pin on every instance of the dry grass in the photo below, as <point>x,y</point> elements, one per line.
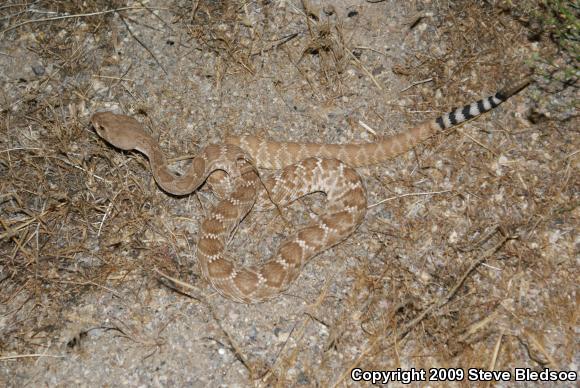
<point>482,275</point>
<point>54,190</point>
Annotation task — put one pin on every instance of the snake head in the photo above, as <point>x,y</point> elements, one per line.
<point>121,131</point>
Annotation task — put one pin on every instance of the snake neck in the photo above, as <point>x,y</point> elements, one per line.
<point>170,182</point>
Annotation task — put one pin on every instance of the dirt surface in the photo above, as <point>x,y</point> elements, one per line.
<point>468,255</point>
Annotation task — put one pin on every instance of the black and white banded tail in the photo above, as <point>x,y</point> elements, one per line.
<point>469,111</point>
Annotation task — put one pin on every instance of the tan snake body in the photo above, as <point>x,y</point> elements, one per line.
<point>305,168</point>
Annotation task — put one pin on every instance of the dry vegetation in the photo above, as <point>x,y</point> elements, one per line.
<point>483,274</point>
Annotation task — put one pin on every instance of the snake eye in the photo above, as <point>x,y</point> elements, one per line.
<point>100,131</point>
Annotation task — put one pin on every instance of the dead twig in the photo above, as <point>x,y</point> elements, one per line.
<point>143,45</point>
<point>17,356</point>
<point>407,195</point>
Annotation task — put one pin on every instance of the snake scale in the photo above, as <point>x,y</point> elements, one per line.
<point>231,169</point>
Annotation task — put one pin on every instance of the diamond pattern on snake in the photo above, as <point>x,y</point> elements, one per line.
<point>303,168</point>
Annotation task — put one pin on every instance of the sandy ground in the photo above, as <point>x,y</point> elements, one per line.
<point>468,255</point>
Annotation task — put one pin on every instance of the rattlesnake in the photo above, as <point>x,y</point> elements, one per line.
<point>305,168</point>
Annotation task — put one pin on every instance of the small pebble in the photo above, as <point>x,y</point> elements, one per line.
<point>328,10</point>
<point>38,70</point>
<point>378,70</point>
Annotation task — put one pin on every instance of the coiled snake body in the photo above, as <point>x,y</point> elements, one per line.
<point>305,168</point>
